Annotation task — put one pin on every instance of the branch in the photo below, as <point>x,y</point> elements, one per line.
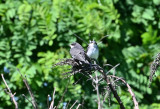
<point>113,68</point>
<point>10,93</point>
<point>26,98</point>
<point>130,91</point>
<point>30,91</point>
<point>111,87</point>
<point>105,96</point>
<point>48,101</point>
<point>87,68</point>
<point>67,104</point>
<point>52,103</point>
<point>78,106</point>
<point>73,104</point>
<point>97,89</point>
<point>62,96</point>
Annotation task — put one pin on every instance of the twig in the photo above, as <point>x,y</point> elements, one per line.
<point>112,68</point>
<point>10,93</point>
<point>30,91</point>
<point>52,103</point>
<point>100,41</point>
<point>48,101</point>
<point>111,87</point>
<point>130,91</point>
<point>67,104</point>
<point>78,106</point>
<point>62,95</point>
<point>73,104</point>
<point>97,89</point>
<point>26,98</point>
<point>85,68</point>
<point>80,38</point>
<point>105,96</point>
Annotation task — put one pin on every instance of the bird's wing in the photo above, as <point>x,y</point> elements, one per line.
<point>78,46</point>
<point>79,55</point>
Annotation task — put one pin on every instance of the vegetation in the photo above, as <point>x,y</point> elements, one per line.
<point>35,34</point>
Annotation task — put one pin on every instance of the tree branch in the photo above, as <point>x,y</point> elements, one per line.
<point>62,96</point>
<point>73,104</point>
<point>78,106</point>
<point>10,93</point>
<point>26,98</point>
<point>48,101</point>
<point>88,68</point>
<point>97,89</point>
<point>52,103</point>
<point>111,87</point>
<point>30,91</point>
<point>129,90</point>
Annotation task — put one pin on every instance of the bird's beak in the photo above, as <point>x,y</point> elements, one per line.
<point>71,45</point>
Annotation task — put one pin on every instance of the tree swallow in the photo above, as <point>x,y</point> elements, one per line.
<point>92,50</point>
<point>77,52</point>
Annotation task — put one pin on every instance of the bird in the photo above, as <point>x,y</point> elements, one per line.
<point>78,53</point>
<point>93,50</point>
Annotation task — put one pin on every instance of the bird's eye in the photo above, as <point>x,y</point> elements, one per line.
<point>73,44</point>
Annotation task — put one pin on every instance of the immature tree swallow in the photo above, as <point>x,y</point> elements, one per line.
<point>92,50</point>
<point>77,52</point>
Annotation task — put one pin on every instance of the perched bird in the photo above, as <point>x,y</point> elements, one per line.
<point>77,52</point>
<point>92,50</point>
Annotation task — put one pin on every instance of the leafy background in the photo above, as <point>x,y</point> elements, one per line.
<point>34,34</point>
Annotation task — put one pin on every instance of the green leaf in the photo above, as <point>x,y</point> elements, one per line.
<point>148,14</point>
<point>156,2</point>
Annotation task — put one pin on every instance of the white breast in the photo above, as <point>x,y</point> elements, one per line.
<point>93,52</point>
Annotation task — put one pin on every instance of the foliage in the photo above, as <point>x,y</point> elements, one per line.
<point>34,34</point>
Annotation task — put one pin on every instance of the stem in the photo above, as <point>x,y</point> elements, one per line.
<point>97,89</point>
<point>10,93</point>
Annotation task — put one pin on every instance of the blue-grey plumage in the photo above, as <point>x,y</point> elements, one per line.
<point>77,52</point>
<point>92,50</point>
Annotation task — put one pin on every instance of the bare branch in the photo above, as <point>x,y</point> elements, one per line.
<point>67,104</point>
<point>73,104</point>
<point>111,87</point>
<point>88,69</point>
<point>48,101</point>
<point>97,90</point>
<point>130,91</point>
<point>10,93</point>
<point>30,91</point>
<point>52,103</point>
<point>78,106</point>
<point>62,95</point>
<point>112,68</point>
<point>26,98</point>
<point>100,41</point>
<point>105,96</point>
<point>80,38</point>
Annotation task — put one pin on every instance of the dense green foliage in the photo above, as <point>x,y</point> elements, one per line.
<point>34,34</point>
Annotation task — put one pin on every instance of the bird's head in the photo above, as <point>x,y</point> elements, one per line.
<point>73,44</point>
<point>92,43</point>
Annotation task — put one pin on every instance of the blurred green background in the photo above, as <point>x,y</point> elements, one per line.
<point>34,34</point>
